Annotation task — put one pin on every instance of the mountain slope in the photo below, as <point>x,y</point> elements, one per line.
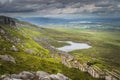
<point>26,47</point>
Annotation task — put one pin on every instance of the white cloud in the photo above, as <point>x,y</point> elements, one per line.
<point>3,1</point>
<point>118,5</point>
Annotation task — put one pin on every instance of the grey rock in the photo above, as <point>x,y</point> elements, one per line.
<point>25,75</point>
<point>45,78</point>
<point>14,48</point>
<point>29,51</point>
<point>62,77</point>
<point>16,76</point>
<point>59,76</point>
<point>2,31</point>
<point>7,58</point>
<point>4,76</point>
<point>54,77</point>
<point>41,74</point>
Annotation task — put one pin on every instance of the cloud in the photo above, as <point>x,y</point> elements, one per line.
<point>3,1</point>
<point>57,7</point>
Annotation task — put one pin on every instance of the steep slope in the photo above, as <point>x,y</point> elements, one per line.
<point>26,47</point>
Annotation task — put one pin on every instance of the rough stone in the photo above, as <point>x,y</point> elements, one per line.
<point>54,77</point>
<point>41,74</point>
<point>15,76</point>
<point>7,58</point>
<point>14,48</point>
<point>29,51</point>
<point>62,77</point>
<point>25,75</point>
<point>2,31</point>
<point>59,76</point>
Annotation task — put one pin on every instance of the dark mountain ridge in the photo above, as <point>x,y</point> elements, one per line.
<point>8,21</point>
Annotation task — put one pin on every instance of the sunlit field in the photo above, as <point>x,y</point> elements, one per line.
<point>105,51</point>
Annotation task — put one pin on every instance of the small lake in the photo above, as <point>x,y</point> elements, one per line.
<point>73,46</point>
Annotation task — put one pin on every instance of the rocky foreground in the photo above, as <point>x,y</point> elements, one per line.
<point>39,75</point>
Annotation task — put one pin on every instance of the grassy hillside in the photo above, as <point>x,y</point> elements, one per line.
<point>30,55</point>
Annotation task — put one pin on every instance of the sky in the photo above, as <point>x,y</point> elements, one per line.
<point>61,8</point>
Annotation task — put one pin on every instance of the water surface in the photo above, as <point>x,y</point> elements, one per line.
<point>73,46</point>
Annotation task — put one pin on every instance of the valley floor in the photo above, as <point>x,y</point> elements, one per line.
<point>105,45</point>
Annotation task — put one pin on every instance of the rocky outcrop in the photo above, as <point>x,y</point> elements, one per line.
<point>23,75</point>
<point>8,21</point>
<point>39,75</point>
<point>7,58</point>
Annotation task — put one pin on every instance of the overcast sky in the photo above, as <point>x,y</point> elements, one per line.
<point>60,8</point>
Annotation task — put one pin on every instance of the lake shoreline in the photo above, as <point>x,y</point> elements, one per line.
<point>73,46</point>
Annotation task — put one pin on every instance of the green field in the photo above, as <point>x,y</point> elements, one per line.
<point>105,51</point>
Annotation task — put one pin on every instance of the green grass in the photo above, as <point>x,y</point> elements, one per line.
<point>40,59</point>
<point>105,45</point>
<point>27,62</point>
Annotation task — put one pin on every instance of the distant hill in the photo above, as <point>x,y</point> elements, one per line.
<point>47,20</point>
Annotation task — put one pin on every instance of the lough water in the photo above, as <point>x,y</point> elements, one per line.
<point>73,46</point>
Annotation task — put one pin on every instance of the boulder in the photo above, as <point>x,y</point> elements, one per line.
<point>5,76</point>
<point>54,77</point>
<point>25,75</point>
<point>59,76</point>
<point>42,75</point>
<point>39,75</point>
<point>62,77</point>
<point>7,58</point>
<point>45,78</point>
<point>16,76</point>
